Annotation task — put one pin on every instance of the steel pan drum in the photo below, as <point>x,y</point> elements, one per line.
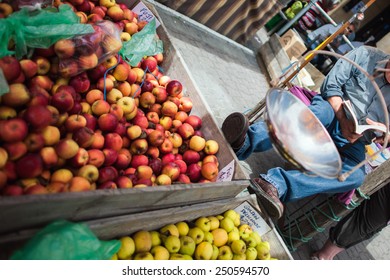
<point>299,136</point>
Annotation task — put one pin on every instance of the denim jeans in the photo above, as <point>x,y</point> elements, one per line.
<point>293,184</point>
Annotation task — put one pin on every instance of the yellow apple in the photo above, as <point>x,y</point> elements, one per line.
<point>183,228</point>
<point>160,253</point>
<point>127,248</point>
<point>143,241</point>
<point>204,251</point>
<point>220,236</point>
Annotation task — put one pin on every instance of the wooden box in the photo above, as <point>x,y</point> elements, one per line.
<point>116,227</point>
<point>30,211</point>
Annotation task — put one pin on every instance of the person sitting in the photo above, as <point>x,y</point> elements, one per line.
<point>344,81</point>
<point>362,223</point>
<point>319,35</point>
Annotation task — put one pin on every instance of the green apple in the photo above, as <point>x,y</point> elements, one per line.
<point>203,223</point>
<point>143,241</point>
<point>233,235</point>
<point>232,214</point>
<point>177,257</point>
<point>160,253</point>
<point>237,221</point>
<point>239,256</point>
<point>214,222</point>
<point>263,250</point>
<point>170,229</point>
<point>208,236</point>
<point>127,248</point>
<point>203,251</point>
<point>156,240</point>
<point>183,228</point>
<point>187,245</point>
<point>225,253</point>
<point>187,257</point>
<point>227,224</point>
<point>245,230</point>
<point>251,253</point>
<point>220,217</point>
<point>220,236</point>
<point>238,247</point>
<point>250,241</point>
<point>197,234</point>
<point>256,236</point>
<point>172,243</point>
<point>216,252</point>
<point>145,256</point>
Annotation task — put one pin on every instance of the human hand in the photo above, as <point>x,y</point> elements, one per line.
<point>378,139</point>
<point>348,130</point>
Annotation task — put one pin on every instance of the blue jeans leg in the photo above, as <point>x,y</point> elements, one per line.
<point>293,185</point>
<point>257,140</point>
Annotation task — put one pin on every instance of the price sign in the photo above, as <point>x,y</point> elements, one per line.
<point>144,13</point>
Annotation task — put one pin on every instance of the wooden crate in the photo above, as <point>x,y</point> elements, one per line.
<point>116,227</point>
<point>30,211</point>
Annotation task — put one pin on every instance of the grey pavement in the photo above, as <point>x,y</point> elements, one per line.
<point>231,78</point>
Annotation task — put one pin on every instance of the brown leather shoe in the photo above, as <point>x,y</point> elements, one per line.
<point>234,128</point>
<point>267,197</point>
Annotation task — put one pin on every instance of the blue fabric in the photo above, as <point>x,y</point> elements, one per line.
<point>348,82</point>
<point>293,184</point>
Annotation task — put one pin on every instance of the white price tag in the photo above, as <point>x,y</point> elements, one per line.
<point>144,13</point>
<point>226,173</point>
<point>252,217</point>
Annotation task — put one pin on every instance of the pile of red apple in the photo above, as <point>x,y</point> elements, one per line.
<point>66,135</point>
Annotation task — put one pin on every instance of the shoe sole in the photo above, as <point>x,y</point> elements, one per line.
<point>266,202</point>
<point>234,126</point>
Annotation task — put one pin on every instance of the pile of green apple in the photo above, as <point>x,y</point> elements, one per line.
<point>221,237</point>
<point>129,128</point>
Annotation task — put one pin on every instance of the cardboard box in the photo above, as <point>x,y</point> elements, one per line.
<point>29,211</point>
<point>293,44</point>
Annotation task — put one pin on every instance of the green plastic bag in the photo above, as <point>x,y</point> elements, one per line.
<point>39,29</point>
<point>63,240</point>
<point>143,43</point>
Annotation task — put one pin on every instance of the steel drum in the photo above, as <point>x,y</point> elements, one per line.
<point>298,135</point>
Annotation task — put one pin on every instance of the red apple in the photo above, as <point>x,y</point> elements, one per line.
<point>138,160</point>
<point>113,141</point>
<point>110,156</point>
<point>80,159</point>
<point>123,160</point>
<point>15,150</point>
<point>156,165</point>
<point>172,170</point>
<point>13,130</point>
<point>186,131</point>
<point>107,122</point>
<point>83,136</point>
<point>108,173</point>
<point>29,68</point>
<point>63,101</point>
<point>124,182</point>
<point>34,142</point>
<point>38,116</point>
<point>29,166</point>
<point>194,172</point>
<point>80,82</point>
<point>139,146</point>
<point>191,156</point>
<point>18,95</point>
<point>156,138</point>
<point>11,67</point>
<point>96,157</point>
<point>174,88</point>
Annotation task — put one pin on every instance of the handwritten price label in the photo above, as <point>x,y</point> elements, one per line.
<point>144,13</point>
<point>226,173</point>
<point>252,217</point>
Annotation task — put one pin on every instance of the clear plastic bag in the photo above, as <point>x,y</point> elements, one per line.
<point>85,52</point>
